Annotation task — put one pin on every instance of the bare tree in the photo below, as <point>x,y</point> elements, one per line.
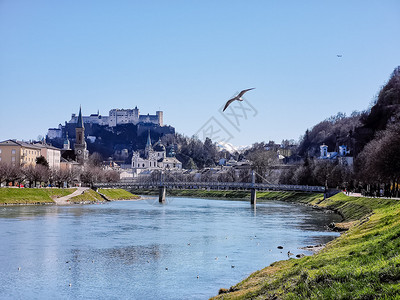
<point>91,174</point>
<point>43,173</point>
<point>3,171</point>
<point>244,175</point>
<point>111,176</point>
<point>261,162</point>
<point>379,162</point>
<point>95,160</point>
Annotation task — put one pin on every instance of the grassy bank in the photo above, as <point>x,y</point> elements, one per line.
<point>31,196</point>
<point>10,196</point>
<point>118,194</point>
<point>87,197</point>
<point>283,196</point>
<point>363,263</point>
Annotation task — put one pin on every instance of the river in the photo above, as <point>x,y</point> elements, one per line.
<point>185,249</point>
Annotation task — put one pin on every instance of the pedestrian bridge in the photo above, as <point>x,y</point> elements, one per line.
<point>252,187</point>
<point>211,186</point>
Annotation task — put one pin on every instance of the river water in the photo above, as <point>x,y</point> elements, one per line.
<point>185,249</point>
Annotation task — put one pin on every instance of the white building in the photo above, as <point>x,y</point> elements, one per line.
<point>51,154</point>
<point>117,117</point>
<point>155,159</point>
<point>343,156</point>
<point>54,133</point>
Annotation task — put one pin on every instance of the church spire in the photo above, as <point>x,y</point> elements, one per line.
<point>80,144</point>
<point>148,148</point>
<point>148,144</point>
<point>79,123</point>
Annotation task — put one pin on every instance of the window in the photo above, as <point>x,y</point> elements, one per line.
<point>0,151</point>
<point>0,158</point>
<point>13,158</point>
<point>13,151</point>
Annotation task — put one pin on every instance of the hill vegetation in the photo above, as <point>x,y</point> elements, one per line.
<point>373,138</point>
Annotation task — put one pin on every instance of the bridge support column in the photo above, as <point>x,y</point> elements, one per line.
<point>253,193</point>
<point>161,194</point>
<point>253,196</point>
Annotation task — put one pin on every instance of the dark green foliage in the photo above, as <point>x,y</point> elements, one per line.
<point>193,153</point>
<point>41,160</point>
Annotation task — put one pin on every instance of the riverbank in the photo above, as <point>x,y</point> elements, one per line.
<point>299,197</point>
<point>33,196</point>
<point>363,263</point>
<point>117,194</point>
<point>27,196</point>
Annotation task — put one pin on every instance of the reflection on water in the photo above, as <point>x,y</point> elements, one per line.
<point>130,254</point>
<point>141,249</point>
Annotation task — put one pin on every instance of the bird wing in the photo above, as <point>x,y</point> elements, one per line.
<point>229,102</point>
<point>244,91</point>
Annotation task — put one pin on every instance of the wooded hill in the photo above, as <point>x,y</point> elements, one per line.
<point>373,138</point>
<point>358,129</point>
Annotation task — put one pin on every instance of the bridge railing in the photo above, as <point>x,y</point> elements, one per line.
<point>213,185</point>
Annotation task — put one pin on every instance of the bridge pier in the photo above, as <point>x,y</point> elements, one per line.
<point>161,194</point>
<point>253,196</point>
<point>253,193</point>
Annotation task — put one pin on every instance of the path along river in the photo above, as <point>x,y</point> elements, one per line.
<point>185,249</point>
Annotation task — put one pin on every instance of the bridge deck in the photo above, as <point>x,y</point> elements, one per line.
<point>212,186</point>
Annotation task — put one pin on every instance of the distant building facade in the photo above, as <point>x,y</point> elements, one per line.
<point>343,156</point>
<point>155,158</point>
<point>51,154</point>
<point>18,153</point>
<point>54,133</point>
<point>115,117</point>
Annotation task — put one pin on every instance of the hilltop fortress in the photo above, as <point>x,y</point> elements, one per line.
<point>114,136</point>
<point>121,116</point>
<point>115,117</point>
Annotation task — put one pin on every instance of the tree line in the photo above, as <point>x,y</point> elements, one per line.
<point>373,137</point>
<point>42,175</point>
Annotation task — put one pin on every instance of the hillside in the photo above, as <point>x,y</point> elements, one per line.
<point>112,141</point>
<point>359,128</point>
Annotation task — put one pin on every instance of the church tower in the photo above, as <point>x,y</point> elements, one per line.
<point>148,148</point>
<point>67,145</point>
<point>82,154</point>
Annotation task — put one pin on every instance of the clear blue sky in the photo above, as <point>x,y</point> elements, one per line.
<point>188,57</point>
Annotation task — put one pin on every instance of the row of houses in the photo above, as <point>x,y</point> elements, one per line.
<point>20,153</point>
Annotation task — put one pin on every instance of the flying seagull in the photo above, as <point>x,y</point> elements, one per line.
<point>238,97</point>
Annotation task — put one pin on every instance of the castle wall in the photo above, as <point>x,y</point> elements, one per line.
<point>118,117</point>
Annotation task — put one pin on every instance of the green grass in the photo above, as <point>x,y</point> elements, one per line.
<point>88,196</point>
<point>363,263</point>
<point>227,194</point>
<point>31,196</point>
<point>117,194</point>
